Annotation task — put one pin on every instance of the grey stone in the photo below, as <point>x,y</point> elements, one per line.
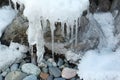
<point>55,71</point>
<point>59,79</point>
<point>16,31</point>
<point>30,77</point>
<point>30,68</point>
<point>73,79</point>
<point>50,77</point>
<point>51,62</point>
<point>45,70</point>
<point>15,75</point>
<point>60,62</point>
<point>14,67</point>
<point>4,73</point>
<point>115,5</point>
<point>1,78</point>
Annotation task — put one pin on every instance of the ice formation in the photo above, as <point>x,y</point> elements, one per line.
<point>102,63</point>
<point>7,14</point>
<point>64,11</point>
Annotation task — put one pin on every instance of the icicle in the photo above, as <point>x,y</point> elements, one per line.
<point>68,31</point>
<point>9,3</point>
<point>72,32</point>
<point>52,26</point>
<point>40,42</point>
<point>15,4</point>
<point>63,30</point>
<point>76,33</point>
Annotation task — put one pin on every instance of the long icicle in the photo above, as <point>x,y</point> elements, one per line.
<point>76,33</point>
<point>52,26</point>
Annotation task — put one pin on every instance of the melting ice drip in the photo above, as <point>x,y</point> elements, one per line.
<point>64,11</point>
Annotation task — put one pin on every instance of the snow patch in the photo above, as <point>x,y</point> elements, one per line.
<point>102,63</point>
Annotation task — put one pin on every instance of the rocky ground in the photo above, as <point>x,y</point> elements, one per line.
<point>60,68</point>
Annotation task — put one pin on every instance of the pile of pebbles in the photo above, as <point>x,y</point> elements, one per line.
<point>50,69</point>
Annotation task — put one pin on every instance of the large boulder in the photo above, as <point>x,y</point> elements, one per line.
<point>16,31</point>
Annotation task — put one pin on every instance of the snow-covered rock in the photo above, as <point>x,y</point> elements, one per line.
<point>11,54</point>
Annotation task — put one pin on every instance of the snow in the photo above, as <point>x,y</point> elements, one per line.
<point>7,14</point>
<point>11,54</point>
<point>64,11</point>
<point>102,63</point>
<point>100,66</point>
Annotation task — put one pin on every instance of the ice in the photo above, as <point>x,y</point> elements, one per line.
<point>7,14</point>
<point>52,27</point>
<point>64,11</point>
<point>102,63</point>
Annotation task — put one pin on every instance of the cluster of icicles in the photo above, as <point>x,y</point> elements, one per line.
<point>39,11</point>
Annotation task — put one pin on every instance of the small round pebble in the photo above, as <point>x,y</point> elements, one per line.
<point>14,67</point>
<point>50,77</point>
<point>30,77</point>
<point>69,73</point>
<point>15,75</point>
<point>1,78</point>
<point>30,68</point>
<point>44,76</point>
<point>55,71</point>
<point>59,79</point>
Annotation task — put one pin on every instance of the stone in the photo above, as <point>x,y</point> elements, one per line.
<point>115,5</point>
<point>14,67</point>
<point>15,75</point>
<point>93,6</point>
<point>69,73</point>
<point>50,77</point>
<point>60,62</point>
<point>51,62</point>
<point>4,2</point>
<point>5,72</point>
<point>30,77</point>
<point>44,76</point>
<point>55,71</point>
<point>59,79</point>
<point>30,68</point>
<point>16,31</point>
<point>73,79</point>
<point>45,69</point>
<point>1,78</point>
<point>104,5</point>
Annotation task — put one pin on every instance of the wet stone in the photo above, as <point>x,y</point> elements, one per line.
<point>55,71</point>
